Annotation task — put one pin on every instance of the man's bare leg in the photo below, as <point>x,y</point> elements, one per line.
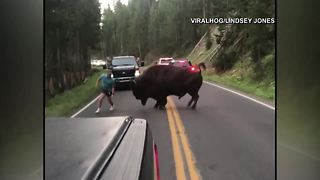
<point>111,103</point>
<point>100,100</point>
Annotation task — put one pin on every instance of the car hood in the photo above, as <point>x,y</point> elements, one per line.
<point>81,148</point>
<point>75,148</point>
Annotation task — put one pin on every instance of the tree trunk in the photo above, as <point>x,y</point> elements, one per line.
<point>78,55</point>
<point>204,8</point>
<point>139,46</point>
<point>58,73</point>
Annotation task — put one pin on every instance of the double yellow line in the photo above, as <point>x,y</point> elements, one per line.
<point>178,138</point>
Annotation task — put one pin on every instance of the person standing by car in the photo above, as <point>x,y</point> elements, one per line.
<point>138,60</point>
<point>107,89</point>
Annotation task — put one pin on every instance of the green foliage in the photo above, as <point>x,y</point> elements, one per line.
<point>73,33</point>
<point>71,30</point>
<point>268,64</point>
<point>148,25</point>
<point>225,60</point>
<point>245,85</point>
<point>66,103</point>
<point>260,38</point>
<point>241,77</point>
<point>256,39</point>
<point>245,57</point>
<point>208,40</point>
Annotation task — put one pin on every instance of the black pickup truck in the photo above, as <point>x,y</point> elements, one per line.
<point>124,69</point>
<point>99,148</point>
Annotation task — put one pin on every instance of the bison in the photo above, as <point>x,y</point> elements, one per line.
<point>158,82</point>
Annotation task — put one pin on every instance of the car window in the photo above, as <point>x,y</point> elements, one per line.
<point>165,60</point>
<point>124,61</point>
<point>181,63</point>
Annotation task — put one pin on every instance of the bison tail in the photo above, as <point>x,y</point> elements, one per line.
<point>202,66</point>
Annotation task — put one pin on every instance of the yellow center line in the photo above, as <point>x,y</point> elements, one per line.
<point>177,154</point>
<point>193,172</point>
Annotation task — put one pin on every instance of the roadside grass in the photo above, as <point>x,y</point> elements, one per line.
<point>241,76</point>
<point>201,57</point>
<point>69,101</point>
<point>264,90</point>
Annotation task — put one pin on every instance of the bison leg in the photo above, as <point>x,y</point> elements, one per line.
<point>156,105</point>
<point>191,100</point>
<point>163,104</point>
<point>181,95</point>
<point>144,101</point>
<point>195,101</point>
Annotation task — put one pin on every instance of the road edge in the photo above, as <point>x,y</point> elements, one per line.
<point>240,94</point>
<point>83,108</point>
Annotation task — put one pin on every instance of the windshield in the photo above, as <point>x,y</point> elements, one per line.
<point>124,61</point>
<point>181,63</point>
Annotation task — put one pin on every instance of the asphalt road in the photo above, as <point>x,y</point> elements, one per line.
<point>229,136</point>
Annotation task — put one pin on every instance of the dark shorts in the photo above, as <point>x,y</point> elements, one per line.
<point>107,92</point>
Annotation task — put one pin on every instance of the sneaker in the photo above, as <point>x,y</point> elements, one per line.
<point>98,110</point>
<point>111,108</point>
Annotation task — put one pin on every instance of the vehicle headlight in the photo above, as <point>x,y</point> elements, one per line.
<point>137,73</point>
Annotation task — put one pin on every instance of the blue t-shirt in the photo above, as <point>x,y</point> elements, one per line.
<point>107,83</point>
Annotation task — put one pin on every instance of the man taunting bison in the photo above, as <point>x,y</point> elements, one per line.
<point>158,82</point>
